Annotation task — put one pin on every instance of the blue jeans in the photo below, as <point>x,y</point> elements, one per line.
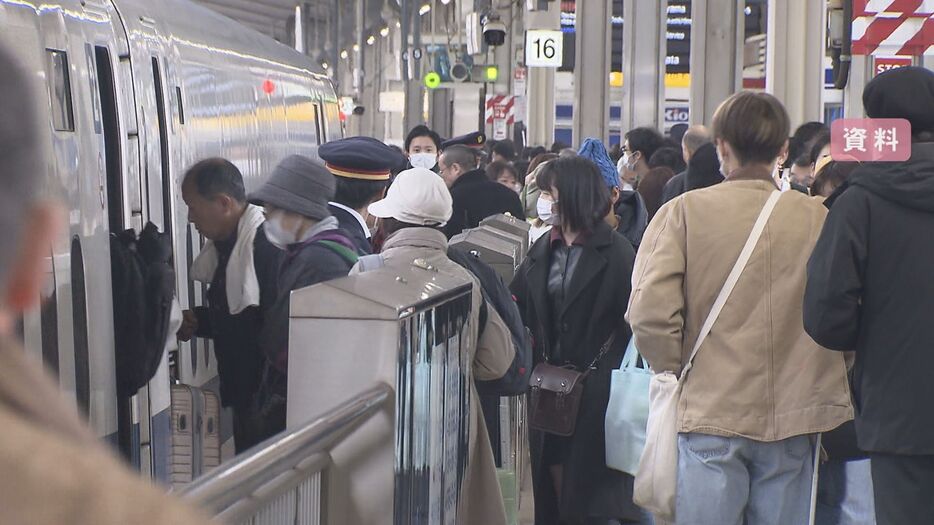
<point>844,493</point>
<point>737,481</point>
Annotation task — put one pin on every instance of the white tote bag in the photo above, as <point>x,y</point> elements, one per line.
<point>657,475</point>
<point>627,412</point>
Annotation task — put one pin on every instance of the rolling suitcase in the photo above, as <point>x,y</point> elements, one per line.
<point>196,443</point>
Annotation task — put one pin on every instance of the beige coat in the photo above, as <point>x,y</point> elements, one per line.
<point>481,501</point>
<point>52,468</point>
<point>758,374</point>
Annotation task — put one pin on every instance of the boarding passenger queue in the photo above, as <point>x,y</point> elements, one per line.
<point>795,323</point>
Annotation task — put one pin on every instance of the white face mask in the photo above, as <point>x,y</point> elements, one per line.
<point>545,214</point>
<point>277,235</point>
<point>423,160</point>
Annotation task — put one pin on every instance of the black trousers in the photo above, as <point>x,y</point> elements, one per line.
<point>247,430</point>
<point>904,489</point>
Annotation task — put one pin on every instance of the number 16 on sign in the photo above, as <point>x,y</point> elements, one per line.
<point>544,48</point>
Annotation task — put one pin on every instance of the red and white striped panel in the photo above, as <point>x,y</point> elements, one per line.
<point>893,27</point>
<point>501,100</point>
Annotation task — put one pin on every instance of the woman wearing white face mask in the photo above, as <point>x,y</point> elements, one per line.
<point>572,290</point>
<point>422,146</point>
<point>298,222</point>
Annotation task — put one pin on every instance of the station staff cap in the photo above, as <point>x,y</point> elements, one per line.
<point>298,185</point>
<point>417,196</point>
<point>362,158</point>
<point>475,140</point>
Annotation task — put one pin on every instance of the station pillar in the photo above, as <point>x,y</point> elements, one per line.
<point>644,51</point>
<point>592,70</point>
<point>860,74</point>
<point>541,83</point>
<point>795,57</point>
<point>717,38</point>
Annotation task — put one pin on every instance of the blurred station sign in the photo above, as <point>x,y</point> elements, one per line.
<point>677,115</point>
<point>883,64</point>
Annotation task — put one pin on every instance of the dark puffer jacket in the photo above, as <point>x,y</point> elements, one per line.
<point>870,289</point>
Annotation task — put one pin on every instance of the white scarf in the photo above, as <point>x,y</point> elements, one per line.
<point>242,284</point>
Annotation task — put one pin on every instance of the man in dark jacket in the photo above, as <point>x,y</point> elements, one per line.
<point>870,290</point>
<point>316,250</point>
<point>362,166</point>
<point>241,266</point>
<point>694,138</point>
<point>475,196</point>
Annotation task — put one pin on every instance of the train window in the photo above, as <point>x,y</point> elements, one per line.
<point>80,319</point>
<point>48,319</point>
<point>112,140</point>
<point>193,344</point>
<point>319,127</point>
<point>161,116</point>
<point>63,118</point>
<point>20,329</point>
<point>180,104</point>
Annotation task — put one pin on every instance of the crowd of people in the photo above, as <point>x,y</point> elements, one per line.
<point>813,363</point>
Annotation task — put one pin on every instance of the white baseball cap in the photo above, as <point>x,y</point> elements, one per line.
<point>417,196</point>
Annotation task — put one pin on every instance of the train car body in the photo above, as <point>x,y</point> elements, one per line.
<point>131,93</point>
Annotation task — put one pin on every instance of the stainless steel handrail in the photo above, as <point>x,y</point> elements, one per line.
<point>241,478</point>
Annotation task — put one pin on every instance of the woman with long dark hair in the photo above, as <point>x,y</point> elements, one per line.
<point>572,291</point>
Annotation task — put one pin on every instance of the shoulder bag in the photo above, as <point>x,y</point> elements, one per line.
<point>556,394</point>
<point>657,475</point>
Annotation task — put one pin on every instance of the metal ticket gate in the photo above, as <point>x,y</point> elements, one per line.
<point>407,329</point>
<point>502,242</point>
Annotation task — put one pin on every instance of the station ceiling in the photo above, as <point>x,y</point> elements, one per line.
<point>273,18</point>
<point>266,16</point>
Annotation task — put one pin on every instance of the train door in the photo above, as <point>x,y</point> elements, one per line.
<point>155,97</point>
<point>163,112</point>
<point>109,65</point>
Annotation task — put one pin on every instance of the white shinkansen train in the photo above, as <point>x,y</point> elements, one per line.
<point>131,93</point>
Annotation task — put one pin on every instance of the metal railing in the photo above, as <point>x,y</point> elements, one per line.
<point>282,479</point>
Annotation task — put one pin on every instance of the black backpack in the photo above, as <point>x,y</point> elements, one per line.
<point>496,293</point>
<point>143,283</point>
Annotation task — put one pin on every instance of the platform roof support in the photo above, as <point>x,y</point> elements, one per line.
<point>717,38</point>
<point>795,57</point>
<point>592,70</point>
<point>644,51</point>
<point>860,74</point>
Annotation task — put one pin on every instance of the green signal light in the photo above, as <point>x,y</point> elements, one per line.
<point>491,73</point>
<point>432,80</point>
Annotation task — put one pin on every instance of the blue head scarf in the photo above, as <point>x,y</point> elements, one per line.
<point>595,151</point>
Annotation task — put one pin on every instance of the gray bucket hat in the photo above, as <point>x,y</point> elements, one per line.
<point>299,185</point>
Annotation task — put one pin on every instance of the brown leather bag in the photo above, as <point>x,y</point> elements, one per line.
<point>556,395</point>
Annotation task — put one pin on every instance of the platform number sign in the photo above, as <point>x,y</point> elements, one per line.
<point>544,48</point>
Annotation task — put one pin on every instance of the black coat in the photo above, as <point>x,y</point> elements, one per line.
<point>351,226</point>
<point>594,308</point>
<point>237,337</point>
<point>871,289</point>
<point>475,198</point>
<point>633,217</point>
<point>304,264</point>
<point>703,169</point>
<point>674,187</point>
